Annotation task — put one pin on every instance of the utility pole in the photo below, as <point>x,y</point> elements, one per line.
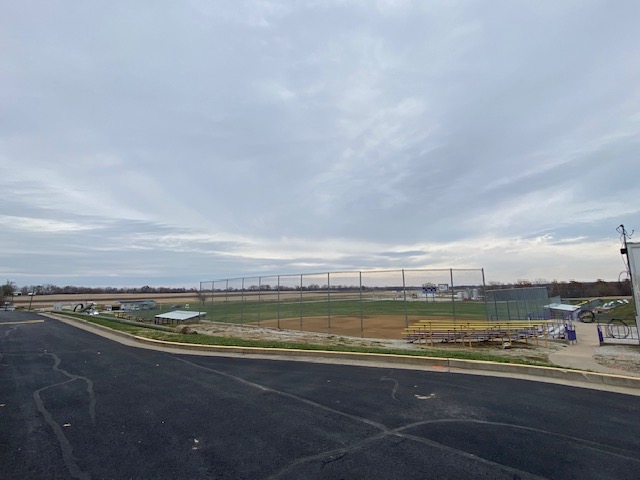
<point>624,236</point>
<point>31,299</point>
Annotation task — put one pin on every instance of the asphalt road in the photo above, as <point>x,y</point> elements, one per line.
<point>76,405</point>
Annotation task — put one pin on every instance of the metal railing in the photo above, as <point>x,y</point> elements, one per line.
<point>618,331</point>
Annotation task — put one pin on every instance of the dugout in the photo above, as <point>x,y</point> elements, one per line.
<point>563,311</point>
<point>178,317</point>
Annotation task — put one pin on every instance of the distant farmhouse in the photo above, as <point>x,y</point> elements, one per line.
<point>134,305</point>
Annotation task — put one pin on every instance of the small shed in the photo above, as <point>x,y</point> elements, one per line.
<point>178,316</point>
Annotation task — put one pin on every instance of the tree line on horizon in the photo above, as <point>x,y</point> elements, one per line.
<point>563,289</point>
<point>10,288</point>
<point>573,288</point>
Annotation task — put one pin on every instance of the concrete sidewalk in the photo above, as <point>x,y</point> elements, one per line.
<point>580,355</point>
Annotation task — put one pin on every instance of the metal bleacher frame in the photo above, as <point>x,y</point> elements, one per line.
<point>444,331</point>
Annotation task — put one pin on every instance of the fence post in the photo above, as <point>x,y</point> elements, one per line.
<point>278,302</point>
<point>600,338</point>
<point>213,295</point>
<point>226,302</point>
<point>453,296</point>
<point>242,303</point>
<point>259,298</point>
<point>329,300</point>
<point>404,293</point>
<point>484,294</point>
<point>300,302</point>
<point>361,308</point>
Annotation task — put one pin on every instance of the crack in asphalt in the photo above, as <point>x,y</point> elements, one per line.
<point>8,331</point>
<point>338,454</point>
<point>371,423</point>
<point>396,385</point>
<point>599,447</point>
<point>67,450</point>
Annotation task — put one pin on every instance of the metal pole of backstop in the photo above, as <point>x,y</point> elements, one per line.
<point>226,302</point>
<point>484,294</point>
<point>329,300</point>
<point>259,297</point>
<point>404,292</point>
<point>242,302</point>
<point>361,308</point>
<point>213,294</point>
<point>300,301</point>
<point>453,296</point>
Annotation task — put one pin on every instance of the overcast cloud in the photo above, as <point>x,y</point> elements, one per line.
<point>164,143</point>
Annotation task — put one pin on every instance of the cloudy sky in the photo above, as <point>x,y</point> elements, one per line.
<point>164,143</point>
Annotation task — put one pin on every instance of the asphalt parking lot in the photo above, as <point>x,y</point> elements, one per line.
<point>76,405</point>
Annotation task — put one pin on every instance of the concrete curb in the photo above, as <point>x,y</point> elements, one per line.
<point>451,365</point>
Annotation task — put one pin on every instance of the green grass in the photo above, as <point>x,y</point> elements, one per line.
<point>165,334</point>
<point>119,325</point>
<point>251,311</point>
<point>623,312</point>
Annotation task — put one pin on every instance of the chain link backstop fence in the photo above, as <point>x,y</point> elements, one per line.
<point>373,304</point>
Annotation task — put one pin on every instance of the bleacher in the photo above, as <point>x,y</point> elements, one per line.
<point>467,332</point>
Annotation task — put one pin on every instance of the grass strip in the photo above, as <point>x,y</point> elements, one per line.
<point>167,334</point>
<point>119,324</point>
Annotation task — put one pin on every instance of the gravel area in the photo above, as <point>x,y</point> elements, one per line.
<point>625,358</point>
<point>621,357</point>
<point>529,352</point>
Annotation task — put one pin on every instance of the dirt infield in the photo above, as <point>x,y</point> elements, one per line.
<point>372,326</point>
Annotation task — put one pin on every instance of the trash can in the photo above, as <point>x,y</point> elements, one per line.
<point>571,333</point>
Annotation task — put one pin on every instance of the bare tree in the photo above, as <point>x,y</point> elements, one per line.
<point>8,289</point>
